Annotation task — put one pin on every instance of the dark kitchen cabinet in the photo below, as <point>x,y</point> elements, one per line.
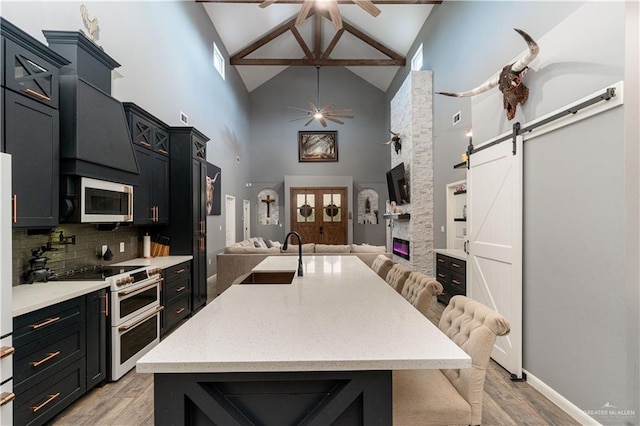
<point>451,273</point>
<point>151,144</point>
<point>176,295</point>
<point>30,125</point>
<point>97,311</point>
<point>188,225</point>
<point>61,353</point>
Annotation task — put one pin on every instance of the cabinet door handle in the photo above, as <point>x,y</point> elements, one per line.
<point>179,271</point>
<point>6,397</point>
<point>157,214</point>
<point>49,356</point>
<point>106,305</point>
<point>42,324</point>
<point>179,289</point>
<point>5,351</point>
<point>51,398</point>
<point>15,208</point>
<point>179,311</point>
<point>162,151</point>
<point>144,143</point>
<point>37,95</point>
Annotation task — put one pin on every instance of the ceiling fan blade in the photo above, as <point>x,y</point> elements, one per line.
<point>301,109</point>
<point>340,115</point>
<point>368,5</point>
<point>334,13</point>
<point>308,122</point>
<point>304,11</point>
<point>298,119</point>
<point>266,3</point>
<point>341,110</point>
<point>327,107</point>
<point>335,120</point>
<point>323,122</point>
<point>314,108</point>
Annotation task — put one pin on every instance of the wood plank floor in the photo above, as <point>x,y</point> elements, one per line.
<point>129,401</point>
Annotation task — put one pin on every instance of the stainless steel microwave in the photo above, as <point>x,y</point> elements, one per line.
<point>102,201</point>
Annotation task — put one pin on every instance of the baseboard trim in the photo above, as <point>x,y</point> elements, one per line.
<point>562,402</point>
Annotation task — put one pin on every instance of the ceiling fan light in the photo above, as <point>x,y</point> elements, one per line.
<point>318,115</point>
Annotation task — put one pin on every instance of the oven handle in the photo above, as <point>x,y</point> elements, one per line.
<point>127,327</point>
<point>128,292</point>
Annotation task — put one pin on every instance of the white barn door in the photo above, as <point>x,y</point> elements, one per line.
<point>494,264</point>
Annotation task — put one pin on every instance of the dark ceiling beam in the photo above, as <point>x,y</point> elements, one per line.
<point>320,62</point>
<point>339,1</point>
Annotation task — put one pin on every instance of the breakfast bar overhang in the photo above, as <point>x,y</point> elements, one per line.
<point>319,350</point>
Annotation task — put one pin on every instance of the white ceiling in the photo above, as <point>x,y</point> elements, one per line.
<point>239,25</point>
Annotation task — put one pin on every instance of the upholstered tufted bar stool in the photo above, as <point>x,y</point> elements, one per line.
<point>381,265</point>
<point>419,290</point>
<point>397,276</point>
<point>451,397</point>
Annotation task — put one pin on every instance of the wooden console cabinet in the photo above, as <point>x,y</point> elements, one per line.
<point>451,273</point>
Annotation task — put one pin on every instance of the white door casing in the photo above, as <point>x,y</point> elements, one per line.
<point>246,219</point>
<point>230,219</point>
<point>494,264</point>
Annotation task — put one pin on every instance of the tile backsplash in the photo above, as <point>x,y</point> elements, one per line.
<point>86,251</point>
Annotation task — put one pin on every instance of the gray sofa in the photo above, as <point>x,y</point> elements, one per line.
<point>240,258</point>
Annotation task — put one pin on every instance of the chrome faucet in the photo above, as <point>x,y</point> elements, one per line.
<point>286,244</point>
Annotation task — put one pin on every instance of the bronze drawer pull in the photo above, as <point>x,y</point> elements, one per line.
<point>179,271</point>
<point>441,260</point>
<point>5,351</point>
<point>51,355</point>
<point>162,151</point>
<point>6,397</point>
<point>456,282</point>
<point>455,265</point>
<point>441,275</point>
<point>147,144</point>
<point>106,305</point>
<point>127,327</point>
<point>37,95</point>
<point>51,398</point>
<point>179,311</point>
<point>42,324</point>
<point>179,289</point>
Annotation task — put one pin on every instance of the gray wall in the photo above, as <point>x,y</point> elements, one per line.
<point>274,140</point>
<point>165,49</point>
<point>581,307</point>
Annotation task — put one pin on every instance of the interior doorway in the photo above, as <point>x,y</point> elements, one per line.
<point>319,215</point>
<point>230,219</point>
<point>246,219</point>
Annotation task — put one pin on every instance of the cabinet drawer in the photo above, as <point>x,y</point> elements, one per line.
<point>37,325</point>
<point>177,310</point>
<point>442,261</point>
<point>458,282</point>
<point>456,265</point>
<point>177,272</point>
<point>442,276</point>
<point>177,288</point>
<point>26,73</point>
<point>40,403</point>
<point>35,362</point>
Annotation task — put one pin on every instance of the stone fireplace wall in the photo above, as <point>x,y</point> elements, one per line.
<point>412,116</point>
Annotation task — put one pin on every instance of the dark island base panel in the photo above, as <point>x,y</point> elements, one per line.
<point>301,398</point>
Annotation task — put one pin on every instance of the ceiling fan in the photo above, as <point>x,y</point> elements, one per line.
<point>325,113</point>
<point>331,6</point>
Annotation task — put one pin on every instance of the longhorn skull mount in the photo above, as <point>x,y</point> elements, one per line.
<point>509,81</point>
<point>395,140</point>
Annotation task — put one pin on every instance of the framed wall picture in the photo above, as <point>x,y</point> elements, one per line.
<point>317,146</point>
<point>214,189</point>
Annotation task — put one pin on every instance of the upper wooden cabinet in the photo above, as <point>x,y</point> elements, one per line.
<point>31,125</point>
<point>151,139</point>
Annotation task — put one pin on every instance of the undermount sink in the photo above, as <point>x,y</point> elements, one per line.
<point>267,277</point>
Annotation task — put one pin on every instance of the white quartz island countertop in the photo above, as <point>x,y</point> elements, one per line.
<point>339,316</point>
<point>162,262</point>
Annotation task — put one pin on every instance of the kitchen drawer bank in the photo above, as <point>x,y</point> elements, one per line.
<point>451,272</point>
<point>59,353</point>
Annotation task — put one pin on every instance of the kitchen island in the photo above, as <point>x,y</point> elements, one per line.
<point>316,351</point>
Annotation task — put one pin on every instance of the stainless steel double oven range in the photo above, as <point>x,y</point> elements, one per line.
<point>134,310</point>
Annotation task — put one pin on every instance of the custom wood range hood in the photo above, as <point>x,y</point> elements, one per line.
<point>95,140</point>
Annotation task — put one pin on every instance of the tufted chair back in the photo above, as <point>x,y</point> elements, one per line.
<point>397,276</point>
<point>381,265</point>
<point>473,327</point>
<point>419,290</point>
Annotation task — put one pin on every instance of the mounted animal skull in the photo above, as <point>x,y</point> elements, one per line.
<point>509,81</point>
<point>395,140</point>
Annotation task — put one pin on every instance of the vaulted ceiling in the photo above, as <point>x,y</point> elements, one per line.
<point>255,36</point>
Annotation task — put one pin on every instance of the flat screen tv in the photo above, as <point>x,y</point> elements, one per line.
<point>398,185</point>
